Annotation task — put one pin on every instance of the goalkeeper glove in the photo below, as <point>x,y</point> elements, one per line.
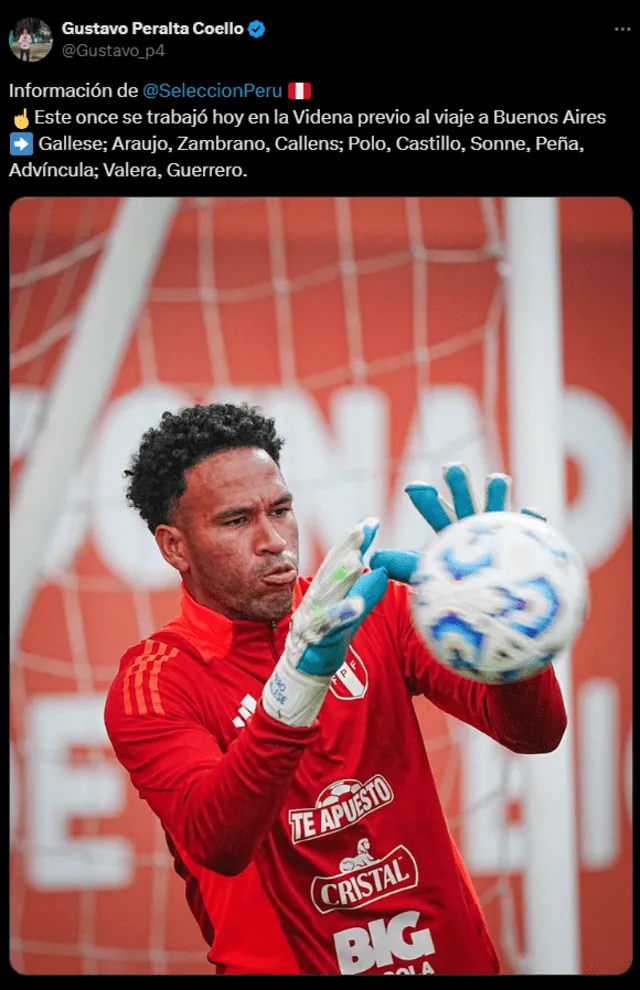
<point>400,564</point>
<point>338,600</point>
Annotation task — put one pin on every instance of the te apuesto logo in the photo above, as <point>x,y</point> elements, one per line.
<point>340,805</point>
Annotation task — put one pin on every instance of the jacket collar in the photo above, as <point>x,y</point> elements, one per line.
<point>212,633</point>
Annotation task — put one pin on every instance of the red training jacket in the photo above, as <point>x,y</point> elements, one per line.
<point>320,850</point>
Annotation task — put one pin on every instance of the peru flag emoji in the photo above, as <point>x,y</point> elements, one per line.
<point>299,91</point>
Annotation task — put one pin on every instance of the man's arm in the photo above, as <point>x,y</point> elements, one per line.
<point>218,807</point>
<point>525,717</point>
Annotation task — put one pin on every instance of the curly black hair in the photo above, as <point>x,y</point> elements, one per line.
<point>183,439</point>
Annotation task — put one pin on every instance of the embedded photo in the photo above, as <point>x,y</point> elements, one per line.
<point>320,611</point>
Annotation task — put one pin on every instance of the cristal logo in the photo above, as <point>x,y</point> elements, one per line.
<point>364,879</point>
<point>381,943</point>
<point>339,806</point>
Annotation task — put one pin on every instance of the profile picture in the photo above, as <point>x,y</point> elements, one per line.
<point>30,39</point>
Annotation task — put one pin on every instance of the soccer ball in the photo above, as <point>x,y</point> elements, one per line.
<point>337,792</point>
<point>498,596</point>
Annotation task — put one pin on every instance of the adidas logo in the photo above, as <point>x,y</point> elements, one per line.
<point>245,711</point>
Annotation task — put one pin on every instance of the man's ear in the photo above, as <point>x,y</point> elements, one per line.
<point>173,547</point>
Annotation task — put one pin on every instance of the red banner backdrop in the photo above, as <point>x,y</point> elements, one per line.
<point>366,325</point>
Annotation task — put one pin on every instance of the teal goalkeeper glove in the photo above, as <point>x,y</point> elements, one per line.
<point>400,564</point>
<point>337,602</point>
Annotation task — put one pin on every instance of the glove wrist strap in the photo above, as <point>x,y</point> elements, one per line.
<point>293,697</point>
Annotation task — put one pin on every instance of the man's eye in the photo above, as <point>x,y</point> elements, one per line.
<point>234,522</point>
<point>282,510</point>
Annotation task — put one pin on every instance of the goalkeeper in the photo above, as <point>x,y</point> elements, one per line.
<point>271,729</point>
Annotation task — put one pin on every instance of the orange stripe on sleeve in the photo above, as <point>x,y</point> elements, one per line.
<point>156,703</point>
<point>141,704</point>
<point>141,680</point>
<point>148,646</point>
<point>141,671</point>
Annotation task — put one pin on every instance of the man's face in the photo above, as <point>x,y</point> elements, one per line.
<point>234,536</point>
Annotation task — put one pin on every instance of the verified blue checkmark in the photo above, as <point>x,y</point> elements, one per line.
<point>256,29</point>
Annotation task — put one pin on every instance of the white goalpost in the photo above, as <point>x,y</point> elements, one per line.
<point>535,380</point>
<point>81,387</point>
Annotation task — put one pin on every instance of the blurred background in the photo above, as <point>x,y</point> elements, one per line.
<point>375,331</point>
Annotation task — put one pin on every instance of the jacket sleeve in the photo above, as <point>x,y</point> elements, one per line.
<point>218,807</point>
<point>525,717</point>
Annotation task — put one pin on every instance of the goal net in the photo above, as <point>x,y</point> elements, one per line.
<point>373,330</point>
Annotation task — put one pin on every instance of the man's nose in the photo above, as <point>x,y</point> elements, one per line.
<point>270,540</point>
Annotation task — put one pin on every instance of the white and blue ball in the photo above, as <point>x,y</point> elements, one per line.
<point>498,596</point>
